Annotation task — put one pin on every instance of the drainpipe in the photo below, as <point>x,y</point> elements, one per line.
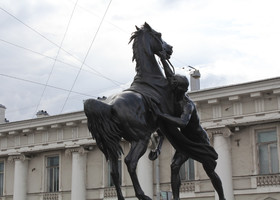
<point>155,143</point>
<point>157,179</point>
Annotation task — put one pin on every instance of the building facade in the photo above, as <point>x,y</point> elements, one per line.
<point>55,158</point>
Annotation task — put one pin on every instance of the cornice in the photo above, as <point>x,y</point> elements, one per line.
<point>31,149</point>
<point>244,120</point>
<point>38,124</point>
<point>272,84</point>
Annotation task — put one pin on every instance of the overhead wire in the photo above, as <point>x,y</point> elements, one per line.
<point>42,84</point>
<point>35,52</point>
<point>62,49</point>
<point>55,59</point>
<point>92,13</point>
<point>94,37</point>
<point>60,61</point>
<point>49,76</point>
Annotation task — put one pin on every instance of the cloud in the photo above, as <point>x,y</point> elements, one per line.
<point>228,41</point>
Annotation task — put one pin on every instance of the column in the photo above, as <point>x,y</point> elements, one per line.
<point>224,168</point>
<point>20,176</point>
<point>79,159</point>
<point>145,174</point>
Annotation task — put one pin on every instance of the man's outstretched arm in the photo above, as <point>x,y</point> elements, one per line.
<point>180,121</point>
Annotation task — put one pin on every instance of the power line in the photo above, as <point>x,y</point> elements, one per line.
<point>37,32</point>
<point>60,61</point>
<point>50,86</point>
<point>35,52</point>
<point>94,37</point>
<point>28,26</point>
<point>68,24</point>
<point>92,13</point>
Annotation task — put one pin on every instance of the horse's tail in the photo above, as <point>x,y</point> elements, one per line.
<point>103,128</point>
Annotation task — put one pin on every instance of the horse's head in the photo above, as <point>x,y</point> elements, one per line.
<point>151,42</point>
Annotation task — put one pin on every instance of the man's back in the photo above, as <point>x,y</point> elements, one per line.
<point>193,129</point>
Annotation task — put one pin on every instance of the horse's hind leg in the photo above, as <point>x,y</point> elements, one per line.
<point>137,150</point>
<point>116,178</point>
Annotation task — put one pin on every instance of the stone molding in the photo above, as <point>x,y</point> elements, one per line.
<point>187,186</point>
<point>226,132</point>
<point>21,157</point>
<point>268,180</point>
<point>81,150</point>
<point>110,192</point>
<point>51,196</point>
<point>58,121</point>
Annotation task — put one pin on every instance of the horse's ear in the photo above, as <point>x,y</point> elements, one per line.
<point>147,26</point>
<point>137,28</point>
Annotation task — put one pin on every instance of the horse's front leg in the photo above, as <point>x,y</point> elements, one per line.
<point>116,177</point>
<point>136,152</point>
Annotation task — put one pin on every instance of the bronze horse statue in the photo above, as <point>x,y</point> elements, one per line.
<point>130,114</point>
<point>133,113</point>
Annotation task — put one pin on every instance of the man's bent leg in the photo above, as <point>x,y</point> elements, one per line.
<point>216,181</point>
<point>177,161</point>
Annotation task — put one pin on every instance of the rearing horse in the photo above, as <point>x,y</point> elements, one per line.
<point>131,113</point>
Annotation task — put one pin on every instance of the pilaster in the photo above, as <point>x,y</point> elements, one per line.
<point>224,168</point>
<point>79,161</point>
<point>20,175</point>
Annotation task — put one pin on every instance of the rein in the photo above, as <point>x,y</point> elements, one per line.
<point>173,69</point>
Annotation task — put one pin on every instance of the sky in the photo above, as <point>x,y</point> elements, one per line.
<point>55,54</point>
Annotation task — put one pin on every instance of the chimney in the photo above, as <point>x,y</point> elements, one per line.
<point>2,114</point>
<point>195,80</point>
<point>42,113</point>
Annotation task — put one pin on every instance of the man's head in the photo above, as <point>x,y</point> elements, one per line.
<point>180,83</point>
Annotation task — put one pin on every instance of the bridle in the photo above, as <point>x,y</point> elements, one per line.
<point>162,53</point>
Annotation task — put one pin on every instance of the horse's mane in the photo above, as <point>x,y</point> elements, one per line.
<point>135,37</point>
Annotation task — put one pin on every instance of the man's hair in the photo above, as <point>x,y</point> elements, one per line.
<point>180,81</point>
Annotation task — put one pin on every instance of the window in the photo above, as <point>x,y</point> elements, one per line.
<point>52,174</point>
<point>187,170</point>
<point>1,178</point>
<point>267,151</point>
<point>110,180</point>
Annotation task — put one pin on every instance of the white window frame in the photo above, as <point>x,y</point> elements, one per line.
<point>257,130</point>
<point>186,166</point>
<point>46,172</point>
<point>109,180</point>
<point>3,179</point>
